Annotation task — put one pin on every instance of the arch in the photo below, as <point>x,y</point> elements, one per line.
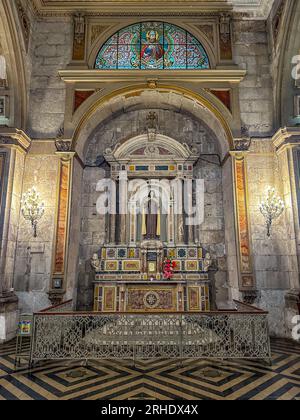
<point>176,149</point>
<point>110,30</point>
<point>152,46</point>
<point>285,88</point>
<point>12,45</point>
<point>105,104</point>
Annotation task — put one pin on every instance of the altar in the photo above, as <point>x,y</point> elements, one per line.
<point>147,228</point>
<point>131,280</point>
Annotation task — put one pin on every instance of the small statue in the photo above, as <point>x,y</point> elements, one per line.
<point>207,263</point>
<point>95,262</point>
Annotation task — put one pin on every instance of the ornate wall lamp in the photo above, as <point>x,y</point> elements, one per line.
<point>272,208</point>
<point>32,208</point>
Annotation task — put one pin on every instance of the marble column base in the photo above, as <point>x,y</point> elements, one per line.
<point>9,316</point>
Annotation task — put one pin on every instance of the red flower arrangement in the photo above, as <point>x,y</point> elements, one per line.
<point>169,267</point>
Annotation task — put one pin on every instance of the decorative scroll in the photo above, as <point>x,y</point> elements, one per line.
<point>208,31</point>
<point>225,38</point>
<point>79,37</point>
<point>97,30</point>
<point>243,224</point>
<point>62,219</point>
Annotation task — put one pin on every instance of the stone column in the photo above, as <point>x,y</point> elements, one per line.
<point>171,222</point>
<point>247,283</point>
<point>58,284</point>
<point>231,238</point>
<point>123,206</point>
<point>113,218</point>
<point>191,227</point>
<point>179,210</point>
<point>14,145</point>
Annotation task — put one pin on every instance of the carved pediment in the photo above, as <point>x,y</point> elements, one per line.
<point>151,151</point>
<point>163,149</point>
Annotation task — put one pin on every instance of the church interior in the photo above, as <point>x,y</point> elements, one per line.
<point>150,200</point>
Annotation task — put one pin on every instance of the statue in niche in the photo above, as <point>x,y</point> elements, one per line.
<point>95,262</point>
<point>151,218</point>
<point>207,263</point>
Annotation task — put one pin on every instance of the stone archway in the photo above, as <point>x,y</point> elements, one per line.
<point>219,120</point>
<point>178,105</point>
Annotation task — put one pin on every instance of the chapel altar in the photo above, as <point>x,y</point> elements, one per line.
<point>147,226</point>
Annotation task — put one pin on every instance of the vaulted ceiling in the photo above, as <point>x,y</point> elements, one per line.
<point>258,8</point>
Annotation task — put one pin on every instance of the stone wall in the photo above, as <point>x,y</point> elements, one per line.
<point>275,258</point>
<point>11,190</point>
<point>50,52</point>
<point>251,53</point>
<point>34,255</point>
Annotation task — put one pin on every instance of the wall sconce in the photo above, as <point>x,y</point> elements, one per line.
<point>272,208</point>
<point>32,208</point>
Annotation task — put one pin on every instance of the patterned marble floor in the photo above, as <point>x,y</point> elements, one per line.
<point>155,380</point>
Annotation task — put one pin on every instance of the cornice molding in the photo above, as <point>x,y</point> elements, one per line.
<point>252,9</point>
<point>15,138</point>
<point>105,76</point>
<point>129,7</point>
<point>286,137</point>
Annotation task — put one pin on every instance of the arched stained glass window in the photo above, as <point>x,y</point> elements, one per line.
<point>152,46</point>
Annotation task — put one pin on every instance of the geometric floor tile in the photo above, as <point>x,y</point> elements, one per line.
<point>155,379</point>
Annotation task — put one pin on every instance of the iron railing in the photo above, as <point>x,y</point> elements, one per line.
<point>91,336</point>
<point>66,306</point>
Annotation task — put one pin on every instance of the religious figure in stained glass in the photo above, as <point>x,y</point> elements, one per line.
<point>152,53</point>
<point>152,46</point>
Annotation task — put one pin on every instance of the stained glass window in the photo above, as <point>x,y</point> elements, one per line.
<point>152,46</point>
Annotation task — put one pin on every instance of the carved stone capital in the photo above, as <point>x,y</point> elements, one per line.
<point>242,144</point>
<point>63,145</point>
<point>56,296</point>
<point>250,296</point>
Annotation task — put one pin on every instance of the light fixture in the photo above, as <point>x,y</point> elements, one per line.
<point>32,208</point>
<point>272,208</point>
